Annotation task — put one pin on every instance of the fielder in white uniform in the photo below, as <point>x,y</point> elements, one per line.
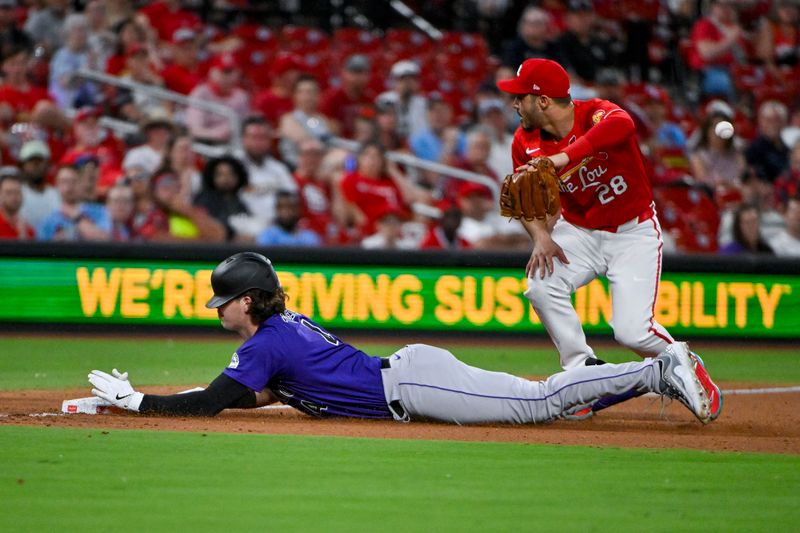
<point>608,225</point>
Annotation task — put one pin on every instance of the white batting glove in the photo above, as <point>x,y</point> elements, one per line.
<point>115,389</point>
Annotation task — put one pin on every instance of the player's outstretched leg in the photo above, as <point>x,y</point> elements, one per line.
<point>680,379</point>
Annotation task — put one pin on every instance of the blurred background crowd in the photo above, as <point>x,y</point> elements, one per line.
<point>347,123</point>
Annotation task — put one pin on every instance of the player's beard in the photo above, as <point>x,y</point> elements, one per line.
<point>529,121</point>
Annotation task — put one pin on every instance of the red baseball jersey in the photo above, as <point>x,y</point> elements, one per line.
<point>610,188</point>
<point>373,196</point>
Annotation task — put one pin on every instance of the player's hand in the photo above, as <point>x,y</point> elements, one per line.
<point>115,389</point>
<point>545,250</point>
<point>560,160</point>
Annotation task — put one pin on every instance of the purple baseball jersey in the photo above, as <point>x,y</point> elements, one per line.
<point>310,369</point>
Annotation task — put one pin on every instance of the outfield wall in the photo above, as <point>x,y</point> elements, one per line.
<point>51,283</point>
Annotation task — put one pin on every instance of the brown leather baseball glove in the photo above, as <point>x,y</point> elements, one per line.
<point>531,194</point>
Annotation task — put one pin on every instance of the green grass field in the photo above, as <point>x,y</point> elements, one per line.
<point>57,479</point>
<point>42,363</point>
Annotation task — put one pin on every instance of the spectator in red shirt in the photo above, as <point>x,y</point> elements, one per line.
<point>129,33</point>
<point>778,38</point>
<point>370,189</point>
<point>12,225</point>
<point>92,140</point>
<point>443,235</point>
<point>19,100</point>
<point>276,100</point>
<point>718,44</point>
<point>342,103</point>
<point>167,16</point>
<point>182,74</point>
<point>314,190</point>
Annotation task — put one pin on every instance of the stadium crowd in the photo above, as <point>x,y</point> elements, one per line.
<point>677,67</point>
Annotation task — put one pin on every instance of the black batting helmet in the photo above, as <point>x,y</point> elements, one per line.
<point>238,274</point>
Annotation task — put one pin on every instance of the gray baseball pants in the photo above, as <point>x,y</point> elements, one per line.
<point>431,383</point>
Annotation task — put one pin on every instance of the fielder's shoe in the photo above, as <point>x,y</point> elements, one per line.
<point>679,380</point>
<point>712,391</point>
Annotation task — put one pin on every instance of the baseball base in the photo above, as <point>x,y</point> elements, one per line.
<point>96,406</point>
<point>88,406</point>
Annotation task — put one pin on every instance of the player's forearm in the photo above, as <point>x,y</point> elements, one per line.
<point>614,129</point>
<point>537,229</point>
<point>223,393</point>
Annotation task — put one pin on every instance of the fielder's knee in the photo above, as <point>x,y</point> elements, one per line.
<point>636,339</point>
<point>538,292</point>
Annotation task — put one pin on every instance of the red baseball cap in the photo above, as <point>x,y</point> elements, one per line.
<point>540,77</point>
<point>225,61</point>
<point>469,188</point>
<point>284,63</point>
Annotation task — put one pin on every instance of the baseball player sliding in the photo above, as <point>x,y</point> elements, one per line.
<point>607,225</point>
<point>287,357</point>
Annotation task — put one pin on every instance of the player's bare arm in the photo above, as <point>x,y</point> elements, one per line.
<point>545,249</point>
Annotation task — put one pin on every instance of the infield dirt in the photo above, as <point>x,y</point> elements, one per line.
<point>749,423</point>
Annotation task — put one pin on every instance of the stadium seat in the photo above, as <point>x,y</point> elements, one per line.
<point>255,33</point>
<point>459,44</point>
<point>690,215</point>
<point>408,43</point>
<point>356,41</point>
<point>303,39</point>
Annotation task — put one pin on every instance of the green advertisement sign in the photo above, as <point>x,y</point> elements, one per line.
<point>42,290</point>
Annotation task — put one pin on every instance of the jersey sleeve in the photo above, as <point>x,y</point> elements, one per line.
<point>610,126</point>
<point>252,366</point>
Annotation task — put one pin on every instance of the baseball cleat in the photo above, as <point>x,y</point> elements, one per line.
<point>679,380</point>
<point>711,389</point>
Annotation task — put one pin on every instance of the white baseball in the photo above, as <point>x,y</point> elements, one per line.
<point>724,129</point>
